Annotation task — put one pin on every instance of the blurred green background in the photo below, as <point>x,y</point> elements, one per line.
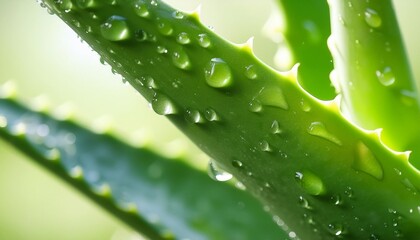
<point>44,57</point>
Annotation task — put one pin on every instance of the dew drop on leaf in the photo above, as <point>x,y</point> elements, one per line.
<point>275,127</point>
<point>204,40</point>
<point>237,163</point>
<point>265,146</point>
<point>141,10</point>
<point>183,38</point>
<point>366,161</point>
<point>181,60</point>
<point>318,129</point>
<point>65,5</point>
<point>372,18</point>
<point>386,76</point>
<point>211,115</point>
<point>165,28</point>
<point>115,29</point>
<point>250,72</point>
<point>218,74</point>
<point>255,106</point>
<point>194,116</point>
<point>310,183</point>
<point>217,173</point>
<point>87,3</point>
<point>273,97</point>
<point>162,105</point>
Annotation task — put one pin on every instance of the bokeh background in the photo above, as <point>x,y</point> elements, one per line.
<point>45,58</point>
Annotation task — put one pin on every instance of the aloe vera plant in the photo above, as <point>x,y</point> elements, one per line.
<point>324,169</point>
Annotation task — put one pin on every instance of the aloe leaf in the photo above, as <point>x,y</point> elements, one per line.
<point>370,63</point>
<point>161,198</point>
<point>319,175</point>
<point>302,31</point>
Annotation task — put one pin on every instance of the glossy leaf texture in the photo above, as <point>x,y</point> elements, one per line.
<point>301,28</point>
<point>320,176</point>
<point>373,74</point>
<point>161,198</point>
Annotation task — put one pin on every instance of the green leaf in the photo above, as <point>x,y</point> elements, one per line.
<point>302,30</point>
<point>373,73</point>
<point>318,174</point>
<point>161,198</point>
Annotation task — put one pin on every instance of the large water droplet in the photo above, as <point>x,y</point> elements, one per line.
<point>141,10</point>
<point>372,18</point>
<point>305,106</point>
<point>204,40</point>
<point>162,105</point>
<point>250,72</point>
<point>217,74</point>
<point>165,28</point>
<point>273,97</point>
<point>217,173</point>
<point>366,161</point>
<point>255,106</point>
<point>178,15</point>
<point>311,183</point>
<point>275,128</point>
<point>194,116</point>
<point>181,60</point>
<point>386,76</point>
<point>318,129</point>
<point>265,146</point>
<point>183,38</point>
<point>211,115</point>
<point>115,29</point>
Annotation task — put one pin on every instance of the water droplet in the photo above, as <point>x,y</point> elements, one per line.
<point>366,161</point>
<point>386,76</point>
<point>337,200</point>
<point>165,28</point>
<point>87,3</point>
<point>204,40</point>
<point>318,129</point>
<point>349,192</point>
<point>183,38</point>
<point>211,115</point>
<point>250,72</point>
<point>217,74</point>
<point>162,105</point>
<point>115,29</point>
<point>217,173</point>
<point>147,81</point>
<point>178,15</point>
<point>52,154</point>
<point>265,146</point>
<point>141,10</point>
<point>305,106</point>
<point>181,60</point>
<point>311,183</point>
<point>273,97</point>
<point>76,172</point>
<point>255,106</point>
<point>140,35</point>
<point>237,163</point>
<point>161,49</point>
<point>240,186</point>
<point>154,3</point>
<point>194,116</point>
<point>275,128</point>
<point>3,121</point>
<point>336,229</point>
<point>304,203</point>
<point>372,18</point>
<point>65,5</point>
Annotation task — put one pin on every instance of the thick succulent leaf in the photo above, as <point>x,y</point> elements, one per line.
<point>302,30</point>
<point>373,73</point>
<point>320,176</point>
<point>161,198</point>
